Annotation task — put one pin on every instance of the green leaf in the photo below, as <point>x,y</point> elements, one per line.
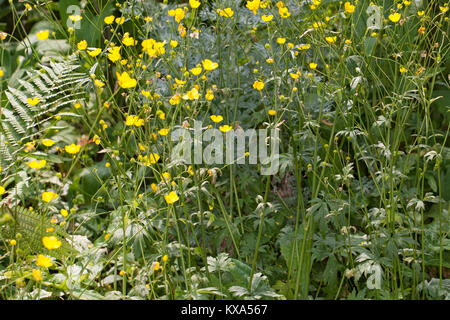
<point>82,294</point>
<point>330,273</point>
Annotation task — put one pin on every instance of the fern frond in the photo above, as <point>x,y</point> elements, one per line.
<point>57,85</point>
<point>33,227</point>
<point>19,103</point>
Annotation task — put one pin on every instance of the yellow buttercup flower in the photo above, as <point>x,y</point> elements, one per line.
<point>51,243</point>
<point>153,158</point>
<point>174,100</point>
<point>29,146</point>
<point>196,71</point>
<point>318,25</point>
<point>33,101</point>
<point>82,45</point>
<point>73,148</point>
<point>164,131</point>
<point>171,198</point>
<point>194,4</point>
<point>209,65</point>
<point>178,13</point>
<point>209,95</point>
<point>166,176</point>
<point>253,5</point>
<point>153,48</point>
<point>281,40</point>
<point>99,83</point>
<point>129,121</point>
<point>304,47</point>
<point>331,39</point>
<point>181,30</point>
<point>402,69</point>
<point>161,114</point>
<point>313,65</point>
<point>120,20</point>
<point>42,35</point>
<point>349,8</point>
<point>284,12</point>
<point>95,52</point>
<point>49,196</point>
<point>114,54</point>
<point>395,17</point>
<point>191,94</point>
<point>125,81</point>
<point>134,121</point>
<point>225,128</point>
<point>128,41</point>
<point>48,142</point>
<point>173,43</point>
<point>267,18</point>
<point>35,164</point>
<point>109,19</point>
<point>227,12</point>
<point>272,112</point>
<point>258,85</point>
<point>37,275</point>
<point>295,75</point>
<point>150,159</point>
<point>75,18</point>
<point>265,4</point>
<point>96,139</point>
<point>64,212</point>
<point>217,118</point>
<point>2,190</point>
<point>180,82</point>
<point>44,261</point>
<point>279,4</point>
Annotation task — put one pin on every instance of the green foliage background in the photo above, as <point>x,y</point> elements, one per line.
<point>358,210</point>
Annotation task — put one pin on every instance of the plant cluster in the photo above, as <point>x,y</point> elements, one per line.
<point>94,206</point>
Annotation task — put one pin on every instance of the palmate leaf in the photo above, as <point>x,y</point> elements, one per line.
<point>221,263</point>
<point>32,227</point>
<point>259,289</point>
<point>57,85</point>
